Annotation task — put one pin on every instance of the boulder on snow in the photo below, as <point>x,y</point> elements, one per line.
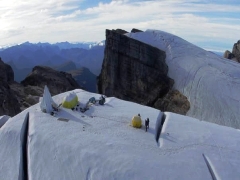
<point>235,54</point>
<point>228,55</point>
<point>173,101</point>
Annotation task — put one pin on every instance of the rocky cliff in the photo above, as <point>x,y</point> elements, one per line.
<point>8,101</point>
<point>236,50</point>
<point>235,54</point>
<point>135,71</point>
<point>56,81</point>
<point>15,97</point>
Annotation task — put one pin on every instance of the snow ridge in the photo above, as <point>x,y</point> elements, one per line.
<point>210,83</point>
<point>100,144</point>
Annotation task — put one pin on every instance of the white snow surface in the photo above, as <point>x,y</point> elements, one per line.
<point>3,120</point>
<point>100,144</point>
<point>210,83</point>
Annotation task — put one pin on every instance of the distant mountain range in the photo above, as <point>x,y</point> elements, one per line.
<point>83,76</point>
<point>61,45</point>
<point>218,53</point>
<point>27,55</point>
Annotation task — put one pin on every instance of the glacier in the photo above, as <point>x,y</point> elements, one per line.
<point>210,83</point>
<point>102,144</point>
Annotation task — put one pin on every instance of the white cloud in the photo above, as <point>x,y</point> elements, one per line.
<point>61,20</point>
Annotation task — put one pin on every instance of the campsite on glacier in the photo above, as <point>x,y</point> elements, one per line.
<point>100,143</point>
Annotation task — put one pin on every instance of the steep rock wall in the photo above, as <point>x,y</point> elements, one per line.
<point>134,71</point>
<point>8,101</point>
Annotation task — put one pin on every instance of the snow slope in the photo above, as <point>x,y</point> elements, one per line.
<point>3,120</point>
<point>210,83</point>
<point>100,144</point>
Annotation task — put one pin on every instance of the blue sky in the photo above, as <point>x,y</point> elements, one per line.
<point>210,24</point>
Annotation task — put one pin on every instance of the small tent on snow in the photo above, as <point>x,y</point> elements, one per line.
<point>47,102</point>
<point>136,121</point>
<point>70,101</point>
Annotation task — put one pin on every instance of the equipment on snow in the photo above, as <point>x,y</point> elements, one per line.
<point>47,104</point>
<point>102,100</point>
<point>70,101</point>
<point>92,100</point>
<point>136,121</point>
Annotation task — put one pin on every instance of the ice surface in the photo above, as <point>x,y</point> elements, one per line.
<point>210,83</point>
<point>101,144</point>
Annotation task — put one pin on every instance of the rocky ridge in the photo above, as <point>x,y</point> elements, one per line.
<point>8,102</point>
<point>56,81</point>
<point>135,71</point>
<point>15,97</point>
<point>235,54</point>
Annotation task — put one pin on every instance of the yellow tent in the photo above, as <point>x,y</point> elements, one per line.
<point>136,121</point>
<point>70,101</point>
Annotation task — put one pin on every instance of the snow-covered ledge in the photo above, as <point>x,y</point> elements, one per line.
<point>11,147</point>
<point>3,120</point>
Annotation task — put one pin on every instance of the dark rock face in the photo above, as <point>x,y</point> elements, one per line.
<point>8,101</point>
<point>236,50</point>
<point>133,70</point>
<point>135,30</point>
<point>15,97</point>
<point>6,72</point>
<point>235,54</point>
<point>26,95</point>
<point>120,31</point>
<point>57,82</point>
<point>174,101</point>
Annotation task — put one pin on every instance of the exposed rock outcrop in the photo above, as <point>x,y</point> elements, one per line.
<point>174,101</point>
<point>8,101</point>
<point>26,95</point>
<point>135,30</point>
<point>120,31</point>
<point>235,54</point>
<point>6,72</point>
<point>15,97</point>
<point>236,50</point>
<point>137,72</point>
<point>57,82</point>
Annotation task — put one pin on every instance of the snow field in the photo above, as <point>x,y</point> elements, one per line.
<point>101,144</point>
<point>210,83</point>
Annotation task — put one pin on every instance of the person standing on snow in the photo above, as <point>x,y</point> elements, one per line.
<point>147,124</point>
